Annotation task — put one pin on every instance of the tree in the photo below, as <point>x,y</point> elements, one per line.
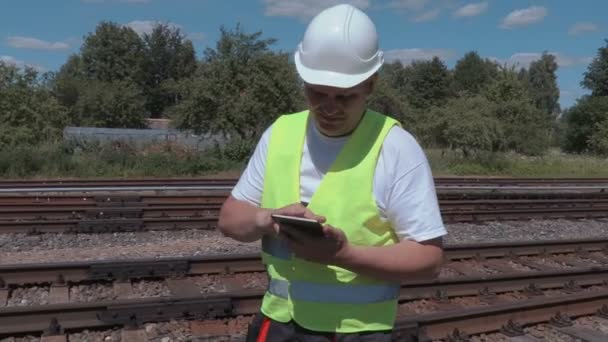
<point>68,83</point>
<point>543,85</point>
<point>386,99</point>
<point>598,141</point>
<point>585,124</point>
<point>168,58</point>
<point>596,76</point>
<point>117,104</point>
<point>526,129</point>
<point>467,124</point>
<point>472,73</point>
<point>239,89</point>
<point>28,111</point>
<point>430,83</point>
<point>113,53</point>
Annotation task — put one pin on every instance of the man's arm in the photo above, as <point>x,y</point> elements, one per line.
<point>242,221</point>
<point>404,261</point>
<point>247,222</point>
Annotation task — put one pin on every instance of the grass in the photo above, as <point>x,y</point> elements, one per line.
<point>68,161</point>
<point>553,164</point>
<point>118,161</point>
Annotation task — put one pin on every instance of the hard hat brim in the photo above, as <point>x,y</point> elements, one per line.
<point>331,78</point>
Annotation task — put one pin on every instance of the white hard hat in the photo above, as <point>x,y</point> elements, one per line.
<point>339,48</point>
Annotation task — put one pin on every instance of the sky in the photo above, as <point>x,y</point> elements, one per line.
<point>44,33</point>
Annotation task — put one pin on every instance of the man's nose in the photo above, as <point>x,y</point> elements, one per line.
<point>330,106</point>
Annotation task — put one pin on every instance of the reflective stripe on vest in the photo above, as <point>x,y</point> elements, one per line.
<point>330,293</point>
<point>278,248</point>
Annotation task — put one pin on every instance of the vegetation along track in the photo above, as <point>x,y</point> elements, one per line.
<point>94,214</point>
<point>481,288</point>
<point>193,181</point>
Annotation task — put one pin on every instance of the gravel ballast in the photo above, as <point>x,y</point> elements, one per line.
<point>22,248</point>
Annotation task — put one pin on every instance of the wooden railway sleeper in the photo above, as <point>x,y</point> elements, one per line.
<point>127,270</point>
<point>138,314</point>
<point>109,226</point>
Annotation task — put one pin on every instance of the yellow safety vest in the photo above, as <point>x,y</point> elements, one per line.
<point>325,297</point>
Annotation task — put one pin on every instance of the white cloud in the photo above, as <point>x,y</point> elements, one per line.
<point>524,17</point>
<point>407,56</point>
<point>305,9</point>
<point>428,16</point>
<point>19,63</point>
<point>471,10</point>
<point>579,28</point>
<point>524,59</point>
<point>146,26</point>
<point>35,44</point>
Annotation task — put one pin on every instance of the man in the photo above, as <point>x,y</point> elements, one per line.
<point>356,171</point>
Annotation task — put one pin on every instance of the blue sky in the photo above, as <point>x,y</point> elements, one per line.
<point>44,33</point>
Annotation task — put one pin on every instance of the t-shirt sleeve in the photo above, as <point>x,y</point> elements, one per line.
<point>251,183</point>
<point>412,205</point>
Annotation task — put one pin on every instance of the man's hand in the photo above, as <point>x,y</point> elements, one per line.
<point>331,249</point>
<point>267,225</point>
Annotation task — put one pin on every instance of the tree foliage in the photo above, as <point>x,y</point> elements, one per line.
<point>472,73</point>
<point>429,83</point>
<point>468,124</point>
<point>113,53</point>
<point>526,128</point>
<point>117,104</point>
<point>28,111</point>
<point>596,76</point>
<point>543,85</point>
<point>585,125</point>
<point>168,58</point>
<point>240,87</point>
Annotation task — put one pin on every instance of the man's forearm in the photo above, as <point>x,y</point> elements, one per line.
<point>238,220</point>
<point>405,261</point>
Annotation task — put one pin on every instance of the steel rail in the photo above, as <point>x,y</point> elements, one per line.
<point>450,209</point>
<point>109,225</point>
<point>238,263</point>
<point>213,196</point>
<point>232,181</point>
<point>444,325</point>
<point>246,302</point>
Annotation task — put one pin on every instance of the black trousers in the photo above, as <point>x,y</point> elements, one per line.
<point>264,329</point>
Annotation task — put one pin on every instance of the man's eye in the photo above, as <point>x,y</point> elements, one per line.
<point>345,97</point>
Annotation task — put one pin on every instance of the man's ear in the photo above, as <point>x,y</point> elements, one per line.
<point>371,83</point>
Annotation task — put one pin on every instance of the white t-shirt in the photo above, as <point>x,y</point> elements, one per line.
<point>404,188</point>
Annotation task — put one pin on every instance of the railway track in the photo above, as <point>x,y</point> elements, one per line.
<point>116,213</point>
<point>198,181</point>
<point>448,185</point>
<point>506,278</point>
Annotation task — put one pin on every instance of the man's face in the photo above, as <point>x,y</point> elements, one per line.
<point>337,111</point>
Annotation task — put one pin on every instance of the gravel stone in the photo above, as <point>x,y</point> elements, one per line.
<point>29,296</point>
<point>23,248</point>
<point>94,292</point>
<point>92,335</point>
<point>146,288</point>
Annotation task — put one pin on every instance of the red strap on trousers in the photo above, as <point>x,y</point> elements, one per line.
<point>264,330</point>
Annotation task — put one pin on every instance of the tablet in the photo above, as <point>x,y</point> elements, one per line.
<point>307,226</point>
